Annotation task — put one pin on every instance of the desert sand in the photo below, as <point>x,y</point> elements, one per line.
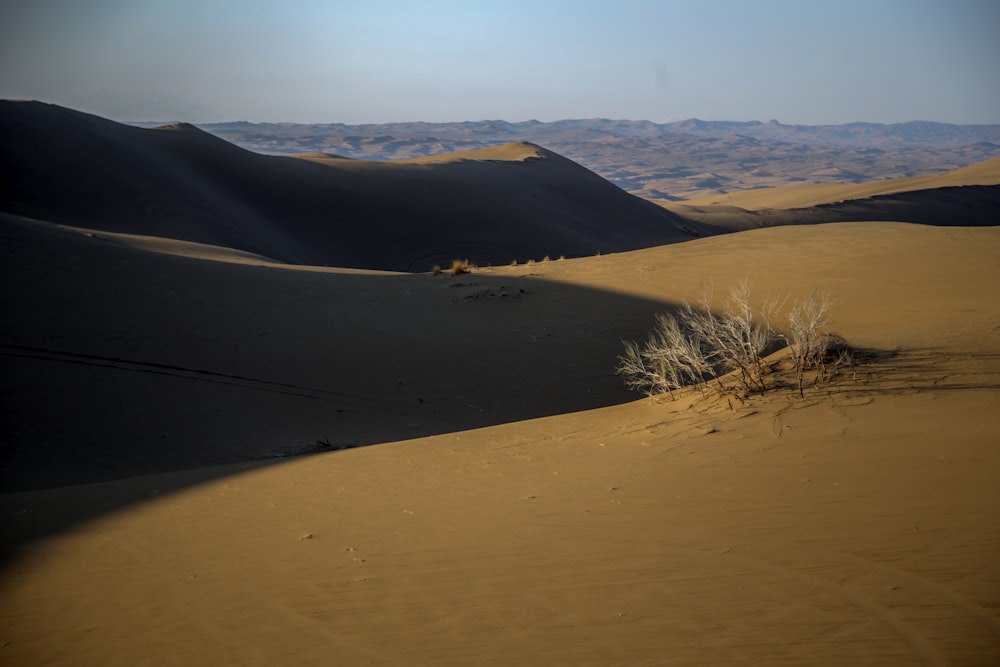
<point>516,504</point>
<point>960,197</point>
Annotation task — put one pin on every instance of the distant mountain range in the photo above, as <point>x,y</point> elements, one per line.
<point>681,160</point>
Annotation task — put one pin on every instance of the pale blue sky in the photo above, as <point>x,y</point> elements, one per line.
<point>356,61</point>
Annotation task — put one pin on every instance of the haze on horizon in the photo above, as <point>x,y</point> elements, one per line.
<point>376,61</point>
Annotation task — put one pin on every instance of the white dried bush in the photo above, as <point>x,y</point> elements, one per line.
<point>697,345</point>
<point>807,344</point>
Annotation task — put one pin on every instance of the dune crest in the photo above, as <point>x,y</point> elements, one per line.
<point>178,127</point>
<point>517,151</point>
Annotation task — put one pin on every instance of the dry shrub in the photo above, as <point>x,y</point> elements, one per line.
<point>735,340</point>
<point>697,345</point>
<point>669,359</point>
<point>807,345</point>
<point>460,266</point>
<point>812,350</point>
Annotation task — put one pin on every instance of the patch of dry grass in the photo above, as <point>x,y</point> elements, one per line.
<point>460,266</point>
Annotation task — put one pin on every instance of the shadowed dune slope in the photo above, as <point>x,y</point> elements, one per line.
<point>158,362</point>
<point>176,181</point>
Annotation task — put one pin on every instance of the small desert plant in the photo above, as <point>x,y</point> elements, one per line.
<point>669,359</point>
<point>806,344</point>
<point>812,349</point>
<point>460,266</point>
<point>435,270</point>
<point>735,340</point>
<point>698,345</point>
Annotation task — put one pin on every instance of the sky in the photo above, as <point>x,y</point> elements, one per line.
<point>372,61</point>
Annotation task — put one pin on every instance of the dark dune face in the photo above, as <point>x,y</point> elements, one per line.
<point>179,182</point>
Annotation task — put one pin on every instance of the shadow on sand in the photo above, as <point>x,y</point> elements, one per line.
<point>175,377</point>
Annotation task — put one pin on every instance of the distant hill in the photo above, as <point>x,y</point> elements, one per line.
<point>177,181</point>
<point>661,160</point>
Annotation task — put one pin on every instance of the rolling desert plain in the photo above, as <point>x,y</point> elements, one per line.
<point>246,422</point>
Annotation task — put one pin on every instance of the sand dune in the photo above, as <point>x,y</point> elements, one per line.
<point>519,506</point>
<point>269,361</point>
<point>857,525</point>
<point>964,197</point>
<point>985,173</point>
<point>179,182</point>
